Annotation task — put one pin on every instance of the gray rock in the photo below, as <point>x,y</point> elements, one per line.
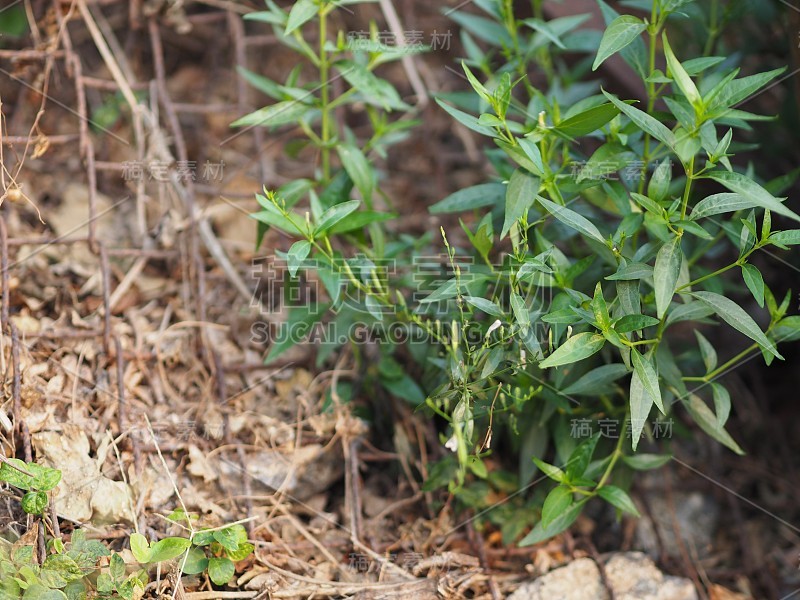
<point>631,576</point>
<point>579,580</point>
<point>695,515</point>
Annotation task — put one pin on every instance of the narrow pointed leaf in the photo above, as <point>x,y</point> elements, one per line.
<point>681,77</point>
<point>641,403</point>
<point>666,273</point>
<point>755,282</point>
<point>645,122</point>
<point>736,317</point>
<point>649,378</point>
<point>578,347</point>
<point>708,422</point>
<point>619,34</point>
<point>335,214</point>
<point>619,499</point>
<point>572,219</point>
<point>743,185</point>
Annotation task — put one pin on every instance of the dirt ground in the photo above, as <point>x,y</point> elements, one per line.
<point>130,286</point>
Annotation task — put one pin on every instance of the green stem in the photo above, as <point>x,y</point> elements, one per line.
<point>688,189</point>
<point>652,30</point>
<point>713,29</point>
<point>324,70</point>
<point>614,457</point>
<point>706,277</point>
<point>721,369</point>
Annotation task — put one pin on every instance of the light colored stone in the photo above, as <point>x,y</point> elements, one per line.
<point>579,580</point>
<point>631,576</point>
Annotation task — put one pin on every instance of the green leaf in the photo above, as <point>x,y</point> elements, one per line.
<point>708,422</point>
<point>540,533</point>
<point>301,320</point>
<point>467,120</point>
<point>272,216</point>
<point>220,570</point>
<point>587,121</point>
<point>44,478</point>
<point>140,548</point>
<point>358,168</point>
<point>572,219</point>
<point>630,323</point>
<point>269,87</point>
<point>719,204</point>
<point>521,313</point>
<point>618,498</point>
<point>334,215</point>
<point>59,569</point>
<point>641,403</point>
<point>786,238</point>
<point>550,471</point>
<point>635,54</point>
<point>619,34</point>
<point>646,462</point>
<point>581,457</point>
<point>104,585</point>
<point>227,538</point>
<point>168,548</point>
<point>531,150</point>
<point>629,299</point>
<point>595,382</point>
<point>740,89</point>
<point>281,113</point>
<point>758,196</point>
<point>788,329</point>
<point>359,220</point>
<point>545,29</point>
<point>520,196</point>
<point>296,255</point>
<point>644,368</point>
<point>302,12</point>
<point>36,591</point>
<point>10,473</point>
<point>755,282</point>
<point>478,196</point>
<point>557,501</point>
<point>736,317</point>
<point>645,122</point>
<point>606,160</point>
<point>196,561</point>
<point>578,347</point>
<point>658,188</point>
<point>631,272</point>
<point>666,273</point>
<point>477,85</point>
<point>34,503</point>
<point>649,205</point>
<point>487,306</point>
<point>374,90</point>
<point>246,548</point>
<point>681,77</point>
<point>707,351</point>
<point>489,30</point>
<point>722,404</point>
<point>117,567</point>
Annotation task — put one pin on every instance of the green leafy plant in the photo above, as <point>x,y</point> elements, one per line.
<point>603,229</point>
<point>35,480</point>
<point>216,551</point>
<point>212,550</point>
<point>62,574</point>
